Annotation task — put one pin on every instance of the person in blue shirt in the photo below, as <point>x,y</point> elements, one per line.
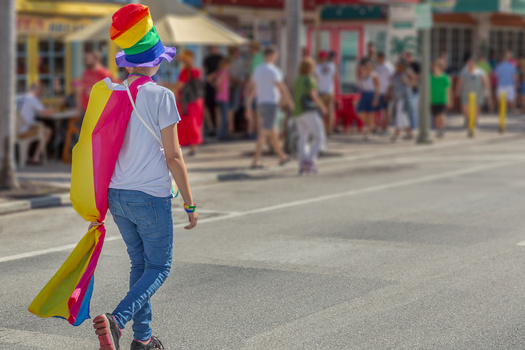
<point>507,74</point>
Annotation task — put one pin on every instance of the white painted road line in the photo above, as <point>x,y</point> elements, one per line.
<point>377,188</point>
<point>521,244</point>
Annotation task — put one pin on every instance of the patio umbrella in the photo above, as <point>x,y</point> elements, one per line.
<point>175,22</point>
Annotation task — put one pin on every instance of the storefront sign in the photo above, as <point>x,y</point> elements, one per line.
<point>424,16</point>
<point>402,32</point>
<point>443,5</point>
<point>49,26</point>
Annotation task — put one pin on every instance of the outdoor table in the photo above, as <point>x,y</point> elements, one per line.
<point>56,119</point>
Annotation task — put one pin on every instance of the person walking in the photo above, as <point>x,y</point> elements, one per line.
<point>415,67</point>
<point>369,85</point>
<point>401,91</point>
<point>440,98</point>
<point>507,80</point>
<point>189,90</point>
<point>325,72</point>
<point>222,86</point>
<point>384,70</point>
<point>266,84</point>
<point>140,190</point>
<point>472,80</point>
<point>210,65</point>
<point>308,104</point>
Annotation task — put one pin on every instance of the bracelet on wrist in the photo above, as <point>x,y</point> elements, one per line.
<point>190,208</point>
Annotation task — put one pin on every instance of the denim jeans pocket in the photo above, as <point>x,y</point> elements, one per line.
<point>144,213</point>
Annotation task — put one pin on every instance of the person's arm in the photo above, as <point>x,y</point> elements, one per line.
<point>315,97</point>
<point>286,94</point>
<point>250,95</point>
<point>177,167</point>
<point>486,86</point>
<point>377,94</point>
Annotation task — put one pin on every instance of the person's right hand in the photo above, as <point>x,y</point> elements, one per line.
<point>192,217</point>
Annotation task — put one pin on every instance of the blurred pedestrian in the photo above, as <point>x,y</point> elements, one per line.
<point>266,84</point>
<point>191,105</point>
<point>28,107</point>
<point>401,91</point>
<point>222,86</point>
<point>440,98</point>
<point>472,80</point>
<point>370,56</point>
<point>308,104</point>
<point>238,76</point>
<point>507,80</point>
<point>325,72</point>
<point>256,60</point>
<point>415,67</point>
<point>210,65</point>
<point>384,70</point>
<point>94,73</point>
<point>140,191</point>
<point>521,84</point>
<point>369,86</point>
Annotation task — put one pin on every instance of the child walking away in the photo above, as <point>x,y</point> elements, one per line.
<point>369,85</point>
<point>140,190</point>
<point>222,98</point>
<point>440,96</point>
<point>309,122</point>
<point>401,91</point>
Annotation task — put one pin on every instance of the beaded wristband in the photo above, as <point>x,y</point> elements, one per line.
<point>190,208</point>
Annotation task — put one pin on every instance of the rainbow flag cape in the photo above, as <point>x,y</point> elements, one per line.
<point>68,293</point>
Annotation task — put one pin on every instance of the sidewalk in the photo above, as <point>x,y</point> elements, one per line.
<point>49,185</point>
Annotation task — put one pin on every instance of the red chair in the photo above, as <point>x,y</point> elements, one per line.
<point>345,114</point>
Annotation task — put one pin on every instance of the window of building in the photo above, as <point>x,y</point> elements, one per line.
<point>21,64</point>
<point>51,66</point>
<point>502,40</point>
<point>455,41</point>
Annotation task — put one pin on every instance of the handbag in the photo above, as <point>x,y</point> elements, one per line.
<point>307,103</point>
<point>192,90</point>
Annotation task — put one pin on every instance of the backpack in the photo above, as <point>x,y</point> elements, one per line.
<point>192,90</point>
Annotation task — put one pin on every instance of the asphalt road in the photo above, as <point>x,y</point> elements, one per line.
<point>412,250</point>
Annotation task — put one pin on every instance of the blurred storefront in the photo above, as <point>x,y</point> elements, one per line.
<point>343,26</point>
<point>489,27</point>
<point>42,53</point>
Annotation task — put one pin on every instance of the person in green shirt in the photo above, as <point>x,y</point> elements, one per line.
<point>309,123</point>
<point>440,100</point>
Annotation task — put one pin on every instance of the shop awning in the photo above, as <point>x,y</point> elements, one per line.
<point>176,23</point>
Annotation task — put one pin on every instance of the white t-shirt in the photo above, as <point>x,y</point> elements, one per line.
<point>28,106</point>
<point>385,72</point>
<point>266,77</point>
<point>325,73</point>
<point>141,164</point>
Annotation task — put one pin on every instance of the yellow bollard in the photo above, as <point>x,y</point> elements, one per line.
<point>472,107</point>
<point>502,112</point>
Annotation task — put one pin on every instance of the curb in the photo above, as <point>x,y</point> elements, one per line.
<point>34,203</point>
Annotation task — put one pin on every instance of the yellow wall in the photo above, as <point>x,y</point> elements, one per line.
<point>32,60</point>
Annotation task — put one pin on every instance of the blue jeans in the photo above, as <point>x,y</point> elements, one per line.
<point>414,117</point>
<point>146,225</point>
<point>224,108</point>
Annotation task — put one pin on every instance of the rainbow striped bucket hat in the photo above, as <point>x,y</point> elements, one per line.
<point>133,31</point>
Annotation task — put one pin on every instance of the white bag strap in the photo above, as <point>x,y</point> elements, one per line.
<point>138,115</point>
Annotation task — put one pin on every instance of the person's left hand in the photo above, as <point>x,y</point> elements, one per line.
<point>95,224</point>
